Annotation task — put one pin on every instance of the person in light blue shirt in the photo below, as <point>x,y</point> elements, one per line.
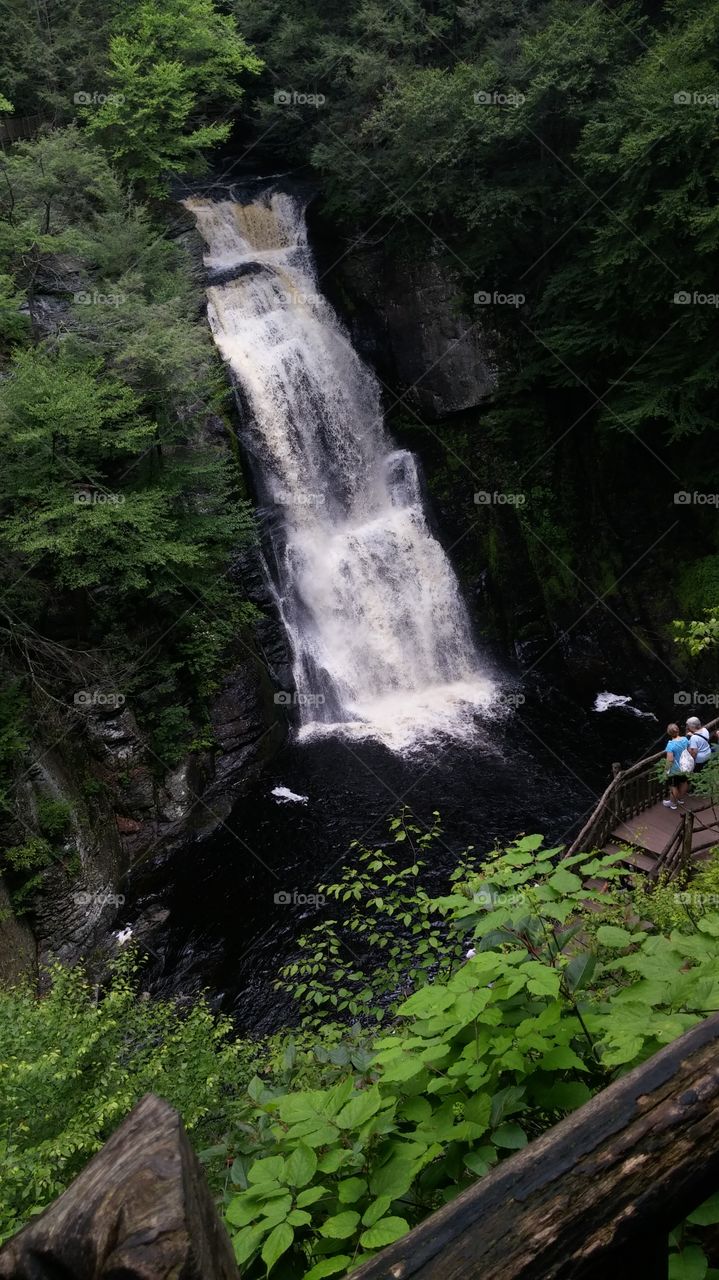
<point>678,782</point>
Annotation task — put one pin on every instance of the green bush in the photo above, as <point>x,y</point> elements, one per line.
<point>504,1004</point>
<point>73,1064</point>
<point>54,817</point>
<point>521,1005</point>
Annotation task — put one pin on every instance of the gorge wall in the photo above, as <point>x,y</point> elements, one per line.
<point>562,533</point>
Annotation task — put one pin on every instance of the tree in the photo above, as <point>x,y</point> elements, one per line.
<point>171,66</point>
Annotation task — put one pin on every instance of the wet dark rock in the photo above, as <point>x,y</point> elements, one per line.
<point>407,318</point>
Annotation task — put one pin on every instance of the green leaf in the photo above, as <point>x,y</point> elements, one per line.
<point>505,1101</point>
<point>329,1267</point>
<point>350,1189</point>
<point>426,1002</point>
<point>311,1195</point>
<point>561,1059</point>
<point>610,935</point>
<point>707,1213</point>
<point>359,1109</point>
<point>277,1243</point>
<point>580,970</point>
<point>564,882</point>
<point>543,980</point>
<point>341,1225</point>
<point>376,1210</point>
<point>510,1135</point>
<point>384,1232</point>
<point>565,1095</point>
<point>247,1242</point>
<point>270,1170</point>
<point>294,1107</point>
<point>394,1178</point>
<point>298,1218</point>
<point>238,1173</point>
<point>689,1264</point>
<point>300,1166</point>
<point>481,1160</point>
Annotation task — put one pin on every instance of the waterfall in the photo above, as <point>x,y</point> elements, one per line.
<point>381,641</point>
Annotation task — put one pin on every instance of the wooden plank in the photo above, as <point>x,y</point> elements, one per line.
<point>642,861</point>
<point>604,1185</point>
<point>140,1210</point>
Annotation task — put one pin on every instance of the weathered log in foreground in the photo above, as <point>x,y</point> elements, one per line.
<point>141,1210</point>
<point>595,1195</point>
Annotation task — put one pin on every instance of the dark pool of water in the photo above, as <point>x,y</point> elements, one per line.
<point>230,926</point>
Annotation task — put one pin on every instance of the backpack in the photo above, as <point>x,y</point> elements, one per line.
<point>686,761</point>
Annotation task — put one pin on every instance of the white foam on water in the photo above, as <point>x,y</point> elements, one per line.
<point>605,701</point>
<point>285,796</point>
<point>381,641</point>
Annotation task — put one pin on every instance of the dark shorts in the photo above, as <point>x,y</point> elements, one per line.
<point>676,779</point>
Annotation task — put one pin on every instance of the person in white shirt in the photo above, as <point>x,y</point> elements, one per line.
<point>699,742</point>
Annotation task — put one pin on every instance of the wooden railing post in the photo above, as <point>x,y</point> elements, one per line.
<point>140,1210</point>
<point>687,835</point>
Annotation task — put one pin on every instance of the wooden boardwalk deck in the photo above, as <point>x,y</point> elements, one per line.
<point>631,820</point>
<point>650,831</point>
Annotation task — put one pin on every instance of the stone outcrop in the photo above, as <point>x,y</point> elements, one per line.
<point>408,318</point>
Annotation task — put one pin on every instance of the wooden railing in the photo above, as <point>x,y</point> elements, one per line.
<point>14,128</point>
<point>630,791</point>
<point>598,1193</point>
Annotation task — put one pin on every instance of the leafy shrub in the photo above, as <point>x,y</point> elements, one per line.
<point>74,1063</point>
<point>54,817</point>
<point>495,1042</point>
<point>504,1004</point>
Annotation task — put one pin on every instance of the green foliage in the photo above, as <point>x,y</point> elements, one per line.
<point>33,855</point>
<point>389,939</point>
<point>331,1142</point>
<point>168,63</point>
<point>54,817</point>
<point>484,1045</point>
<point>687,1258</point>
<point>117,505</point>
<point>75,1062</point>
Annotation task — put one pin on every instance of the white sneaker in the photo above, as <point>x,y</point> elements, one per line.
<point>669,804</point>
<point>680,802</point>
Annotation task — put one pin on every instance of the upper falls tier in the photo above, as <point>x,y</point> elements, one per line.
<point>380,636</point>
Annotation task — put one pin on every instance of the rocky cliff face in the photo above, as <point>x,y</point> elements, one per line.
<point>531,563</point>
<point>407,318</point>
<point>96,764</point>
<point>122,811</point>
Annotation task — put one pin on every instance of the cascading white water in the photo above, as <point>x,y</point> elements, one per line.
<point>380,637</point>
